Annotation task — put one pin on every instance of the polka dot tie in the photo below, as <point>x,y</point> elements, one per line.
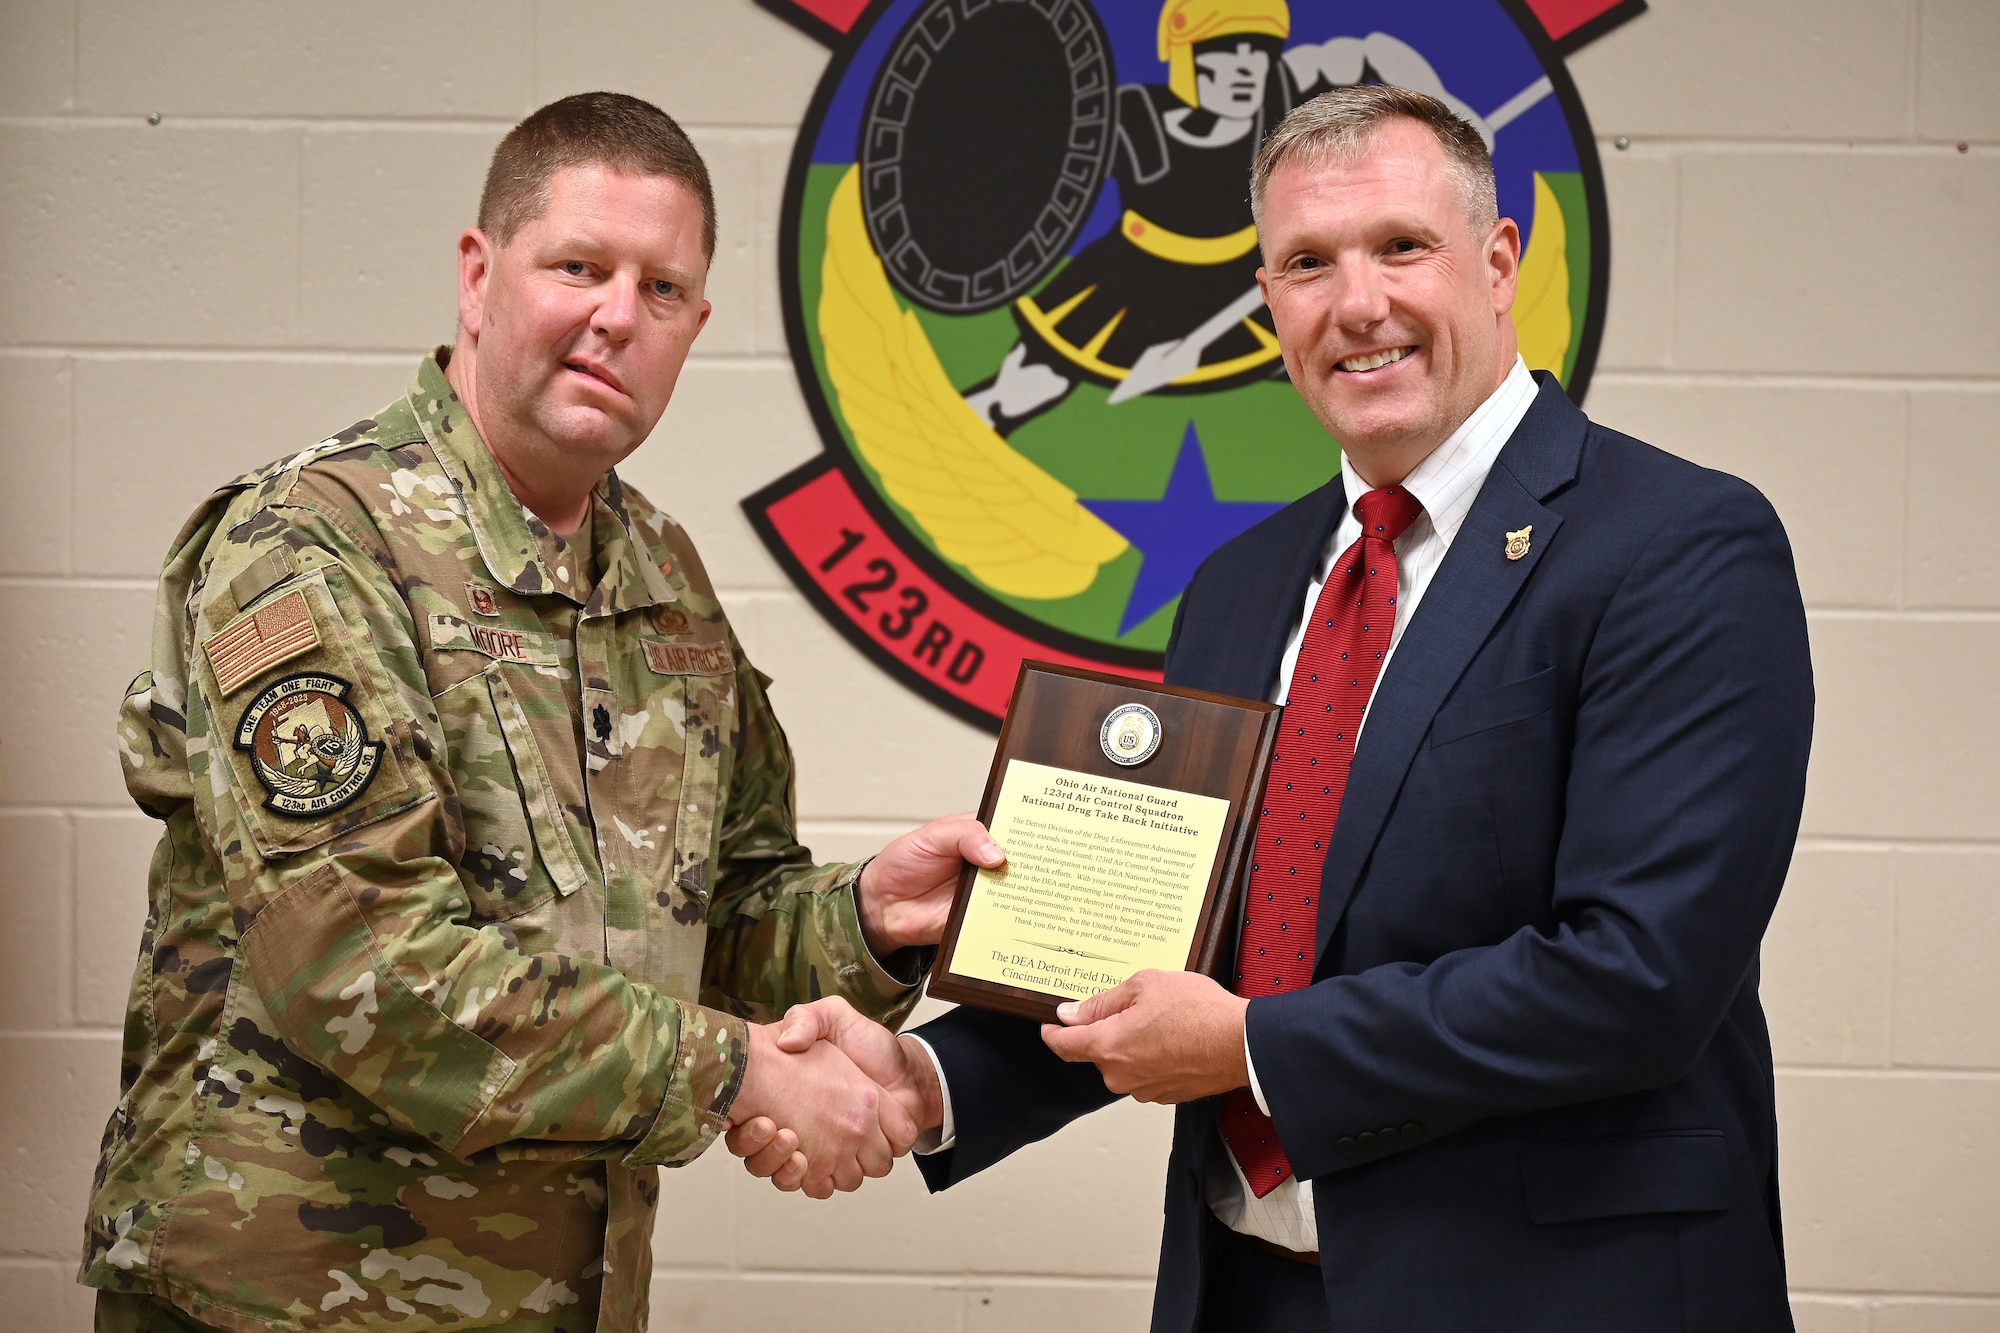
<point>1339,659</point>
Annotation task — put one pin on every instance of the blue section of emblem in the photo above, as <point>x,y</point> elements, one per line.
<point>838,131</point>
<point>1176,532</point>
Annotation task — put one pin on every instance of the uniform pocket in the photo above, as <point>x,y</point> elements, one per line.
<point>334,997</point>
<point>512,863</point>
<point>1626,1175</point>
<point>688,733</point>
<point>707,704</point>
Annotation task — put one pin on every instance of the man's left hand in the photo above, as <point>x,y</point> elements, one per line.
<point>1160,1036</point>
<point>904,894</point>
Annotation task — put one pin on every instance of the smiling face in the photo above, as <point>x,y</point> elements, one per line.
<point>572,335</point>
<point>1231,83</point>
<point>1391,311</point>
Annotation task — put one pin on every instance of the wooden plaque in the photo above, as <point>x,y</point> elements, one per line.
<point>1114,864</point>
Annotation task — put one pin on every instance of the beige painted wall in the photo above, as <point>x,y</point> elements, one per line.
<point>1805,290</point>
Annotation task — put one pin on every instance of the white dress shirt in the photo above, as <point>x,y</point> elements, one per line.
<point>1445,483</point>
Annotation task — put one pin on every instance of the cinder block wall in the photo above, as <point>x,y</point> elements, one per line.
<point>1805,291</point>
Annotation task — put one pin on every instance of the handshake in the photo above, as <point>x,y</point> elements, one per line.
<point>831,1097</point>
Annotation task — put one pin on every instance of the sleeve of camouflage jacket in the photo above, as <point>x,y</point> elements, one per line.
<point>782,930</point>
<point>357,930</point>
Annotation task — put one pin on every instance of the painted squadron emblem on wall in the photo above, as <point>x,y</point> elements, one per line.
<point>1020,280</point>
<point>309,749</point>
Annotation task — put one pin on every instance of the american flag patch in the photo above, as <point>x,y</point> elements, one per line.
<point>278,633</point>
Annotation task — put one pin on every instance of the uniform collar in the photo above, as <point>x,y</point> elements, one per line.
<point>626,574</point>
<point>518,548</point>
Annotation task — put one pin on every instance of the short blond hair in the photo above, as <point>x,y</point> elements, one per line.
<point>614,130</point>
<point>1340,125</point>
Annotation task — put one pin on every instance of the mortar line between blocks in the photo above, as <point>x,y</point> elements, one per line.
<point>1894,1074</point>
<point>1909,448</point>
<point>1913,70</point>
<point>1873,1296</point>
<point>80,582</point>
<point>82,1032</point>
<point>1896,867</point>
<point>1930,615</point>
<point>1833,842</point>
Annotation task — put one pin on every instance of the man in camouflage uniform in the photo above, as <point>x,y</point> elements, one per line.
<point>480,874</point>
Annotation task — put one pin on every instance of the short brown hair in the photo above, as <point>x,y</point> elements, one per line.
<point>1338,125</point>
<point>588,130</point>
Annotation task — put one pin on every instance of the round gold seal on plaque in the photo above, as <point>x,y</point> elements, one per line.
<point>1130,734</point>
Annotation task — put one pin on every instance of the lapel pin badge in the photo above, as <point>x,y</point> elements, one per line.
<point>1517,542</point>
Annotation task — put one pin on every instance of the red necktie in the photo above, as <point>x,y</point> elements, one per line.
<point>1339,659</point>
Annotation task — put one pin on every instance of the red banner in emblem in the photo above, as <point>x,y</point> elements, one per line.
<point>911,622</point>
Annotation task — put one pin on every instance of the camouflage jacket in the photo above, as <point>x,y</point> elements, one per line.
<point>455,841</point>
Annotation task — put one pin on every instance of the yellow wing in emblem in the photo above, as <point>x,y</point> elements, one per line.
<point>1017,529</point>
<point>1541,293</point>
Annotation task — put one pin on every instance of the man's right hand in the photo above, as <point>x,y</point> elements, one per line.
<point>840,1126</point>
<point>900,1067</point>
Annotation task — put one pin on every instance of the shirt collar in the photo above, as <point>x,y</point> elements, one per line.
<point>1448,480</point>
<point>517,547</point>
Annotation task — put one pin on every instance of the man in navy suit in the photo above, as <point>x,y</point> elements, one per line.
<point>1548,707</point>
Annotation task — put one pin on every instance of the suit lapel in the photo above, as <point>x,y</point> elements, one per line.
<point>1467,597</point>
<point>1266,610</point>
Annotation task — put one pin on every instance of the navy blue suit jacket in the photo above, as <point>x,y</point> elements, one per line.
<point>1531,1082</point>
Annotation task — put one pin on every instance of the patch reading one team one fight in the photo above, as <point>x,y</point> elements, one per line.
<point>308,748</point>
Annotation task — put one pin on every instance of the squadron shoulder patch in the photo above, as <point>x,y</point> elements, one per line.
<point>308,748</point>
<point>256,643</point>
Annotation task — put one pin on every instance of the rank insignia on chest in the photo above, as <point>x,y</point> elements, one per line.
<point>308,748</point>
<point>482,599</point>
<point>1517,542</point>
